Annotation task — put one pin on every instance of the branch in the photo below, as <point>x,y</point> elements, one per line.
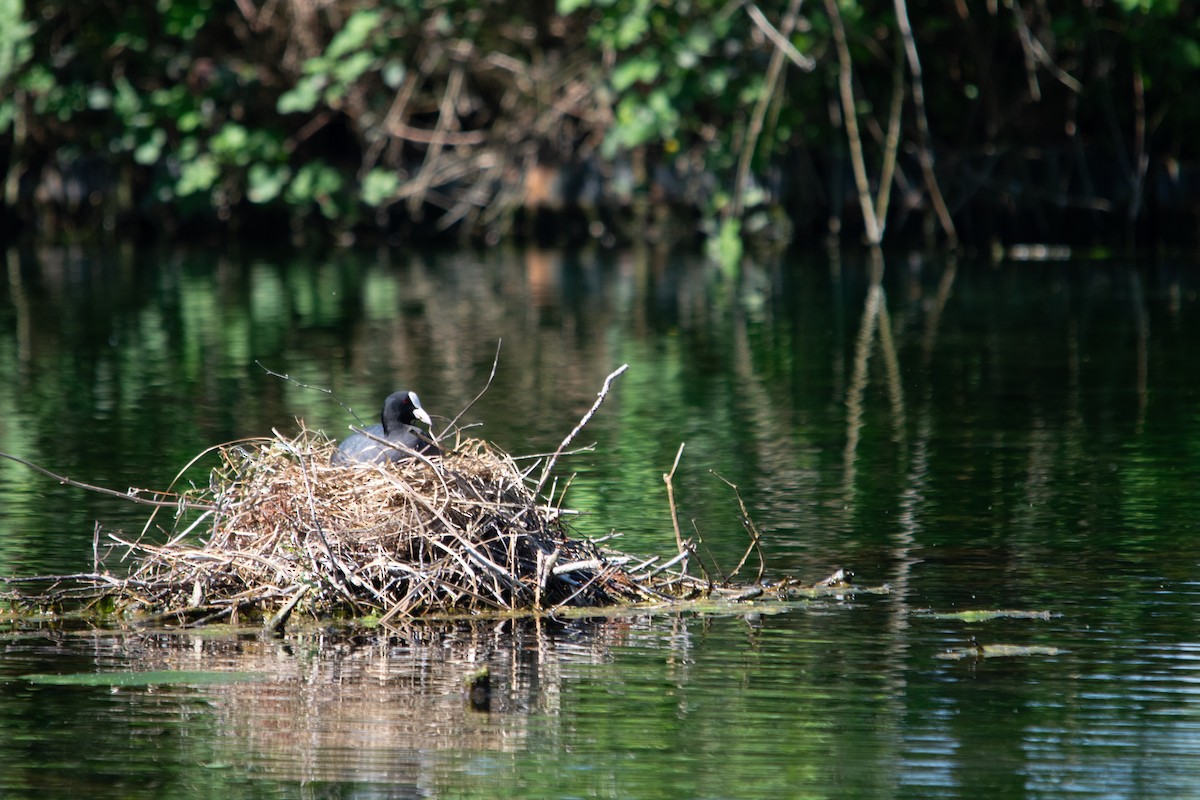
<point>292,380</point>
<point>131,494</point>
<point>570,436</point>
<point>447,120</point>
<point>891,147</point>
<point>779,39</point>
<point>486,386</point>
<point>755,536</point>
<point>924,148</point>
<point>774,71</point>
<point>671,497</point>
<point>845,83</point>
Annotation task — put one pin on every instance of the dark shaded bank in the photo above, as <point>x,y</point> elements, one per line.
<point>616,121</point>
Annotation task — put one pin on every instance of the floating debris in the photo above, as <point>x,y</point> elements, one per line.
<point>984,615</point>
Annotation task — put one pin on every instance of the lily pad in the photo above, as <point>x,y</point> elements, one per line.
<point>150,678</point>
<point>999,651</point>
<point>985,615</point>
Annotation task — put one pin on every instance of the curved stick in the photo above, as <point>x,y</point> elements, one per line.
<point>329,392</point>
<point>130,494</point>
<point>486,386</point>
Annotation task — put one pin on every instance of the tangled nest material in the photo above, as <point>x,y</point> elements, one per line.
<point>461,532</point>
<point>282,528</point>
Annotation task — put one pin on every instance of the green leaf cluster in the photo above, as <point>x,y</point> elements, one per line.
<point>174,110</point>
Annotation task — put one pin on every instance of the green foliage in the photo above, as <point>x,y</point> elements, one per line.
<point>185,18</point>
<point>351,53</point>
<point>686,77</point>
<point>15,50</point>
<point>1164,7</point>
<point>379,186</point>
<point>726,249</point>
<point>320,184</point>
<point>266,182</point>
<point>15,47</point>
<point>188,115</point>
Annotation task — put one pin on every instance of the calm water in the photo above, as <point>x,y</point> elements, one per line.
<point>1023,436</point>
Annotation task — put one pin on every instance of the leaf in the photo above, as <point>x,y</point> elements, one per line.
<point>266,182</point>
<point>352,68</point>
<point>379,186</point>
<point>149,151</point>
<point>726,249</point>
<point>303,96</point>
<point>637,70</point>
<point>566,7</point>
<point>354,33</point>
<point>197,175</point>
<point>229,141</point>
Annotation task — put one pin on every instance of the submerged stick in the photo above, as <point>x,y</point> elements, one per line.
<point>275,625</point>
<point>570,436</point>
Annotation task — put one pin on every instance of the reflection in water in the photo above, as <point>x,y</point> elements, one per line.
<point>340,707</point>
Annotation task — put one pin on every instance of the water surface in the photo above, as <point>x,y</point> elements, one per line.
<point>974,436</point>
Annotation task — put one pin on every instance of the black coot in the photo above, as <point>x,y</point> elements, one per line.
<point>400,410</point>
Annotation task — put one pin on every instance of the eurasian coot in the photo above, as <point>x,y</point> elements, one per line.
<point>399,412</point>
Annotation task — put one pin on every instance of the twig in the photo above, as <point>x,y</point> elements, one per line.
<point>779,37</point>
<point>774,72</point>
<point>130,494</point>
<point>749,594</point>
<point>192,462</point>
<point>486,386</point>
<point>850,120</point>
<point>447,119</point>
<point>755,536</point>
<point>699,542</point>
<point>587,448</point>
<point>667,477</point>
<point>1035,53</point>
<point>575,566</point>
<point>600,574</point>
<point>891,145</point>
<point>322,389</point>
<point>275,625</point>
<point>681,556</point>
<point>570,436</point>
<point>924,146</point>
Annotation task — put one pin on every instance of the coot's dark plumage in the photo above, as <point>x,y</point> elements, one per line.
<point>400,410</point>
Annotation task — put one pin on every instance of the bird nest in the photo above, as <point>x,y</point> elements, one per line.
<point>279,528</point>
<point>285,529</point>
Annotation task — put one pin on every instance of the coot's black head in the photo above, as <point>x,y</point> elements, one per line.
<point>402,408</point>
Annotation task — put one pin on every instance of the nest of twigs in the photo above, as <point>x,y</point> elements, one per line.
<point>280,528</point>
<point>455,533</point>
